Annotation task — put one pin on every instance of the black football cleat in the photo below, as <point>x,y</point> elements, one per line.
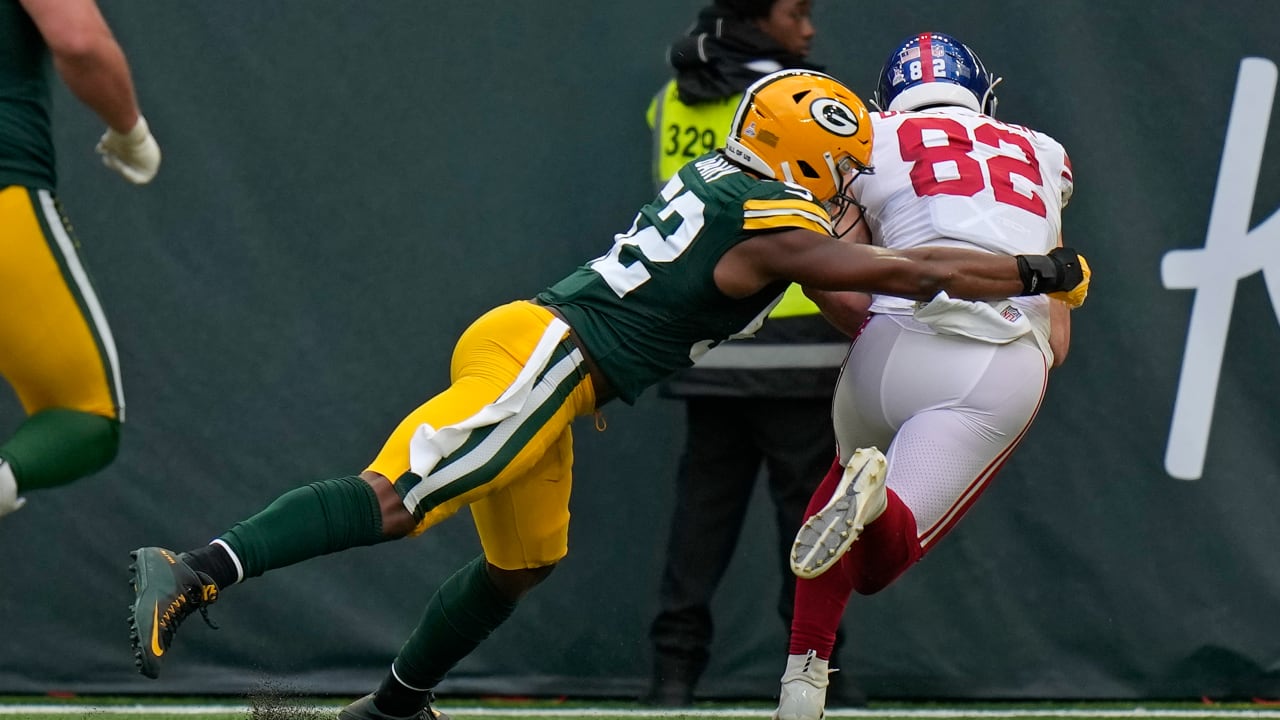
<point>364,709</point>
<point>166,591</point>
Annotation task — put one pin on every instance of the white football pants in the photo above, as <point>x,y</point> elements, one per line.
<point>946,410</point>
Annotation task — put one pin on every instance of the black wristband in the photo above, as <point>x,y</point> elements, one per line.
<point>1039,273</point>
<point>1060,270</point>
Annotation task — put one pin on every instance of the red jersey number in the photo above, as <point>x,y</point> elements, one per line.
<point>967,179</point>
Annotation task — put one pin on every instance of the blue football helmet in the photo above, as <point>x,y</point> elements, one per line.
<point>935,69</point>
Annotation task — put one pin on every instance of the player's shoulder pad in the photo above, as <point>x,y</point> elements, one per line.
<point>1050,150</point>
<point>776,204</point>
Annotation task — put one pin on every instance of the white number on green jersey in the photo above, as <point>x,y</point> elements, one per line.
<point>686,207</point>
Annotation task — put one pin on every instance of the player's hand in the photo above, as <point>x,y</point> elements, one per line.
<point>1074,297</point>
<point>135,154</point>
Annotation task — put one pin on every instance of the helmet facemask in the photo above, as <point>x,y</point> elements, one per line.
<point>845,171</point>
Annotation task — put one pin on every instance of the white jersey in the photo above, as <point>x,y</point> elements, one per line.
<point>955,177</point>
<point>951,409</point>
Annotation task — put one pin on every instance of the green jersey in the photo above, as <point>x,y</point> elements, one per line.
<point>26,135</point>
<point>650,305</point>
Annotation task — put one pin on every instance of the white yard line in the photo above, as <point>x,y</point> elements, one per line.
<point>89,711</point>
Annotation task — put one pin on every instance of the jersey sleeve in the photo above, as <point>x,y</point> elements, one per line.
<point>777,206</point>
<point>1068,181</point>
<point>1059,171</point>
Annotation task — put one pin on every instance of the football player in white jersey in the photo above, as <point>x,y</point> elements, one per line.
<point>949,387</point>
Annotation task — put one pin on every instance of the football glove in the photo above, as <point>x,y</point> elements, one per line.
<point>1063,274</point>
<point>135,154</point>
<point>1074,297</point>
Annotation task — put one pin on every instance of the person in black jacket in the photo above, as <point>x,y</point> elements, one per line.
<point>763,402</point>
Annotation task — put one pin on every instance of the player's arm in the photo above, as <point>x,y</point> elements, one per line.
<point>1059,330</point>
<point>824,263</point>
<point>1060,312</point>
<point>1059,326</point>
<point>845,309</point>
<point>94,68</point>
<point>88,58</point>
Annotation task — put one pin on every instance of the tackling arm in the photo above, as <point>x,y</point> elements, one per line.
<point>823,263</point>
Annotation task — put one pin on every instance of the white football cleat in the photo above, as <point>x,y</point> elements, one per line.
<point>804,688</point>
<point>9,500</point>
<point>859,499</point>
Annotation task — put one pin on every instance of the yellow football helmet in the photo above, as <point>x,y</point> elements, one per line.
<point>803,127</point>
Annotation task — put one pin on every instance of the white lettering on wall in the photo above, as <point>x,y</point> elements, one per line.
<point>1231,253</point>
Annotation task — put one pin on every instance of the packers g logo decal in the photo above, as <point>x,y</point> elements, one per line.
<point>834,116</point>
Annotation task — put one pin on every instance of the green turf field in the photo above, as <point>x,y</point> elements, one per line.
<point>326,709</point>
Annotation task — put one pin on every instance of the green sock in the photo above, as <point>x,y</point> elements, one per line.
<point>313,520</point>
<point>55,446</point>
<point>461,614</point>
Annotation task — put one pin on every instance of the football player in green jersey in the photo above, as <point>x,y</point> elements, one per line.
<point>703,262</point>
<point>56,348</point>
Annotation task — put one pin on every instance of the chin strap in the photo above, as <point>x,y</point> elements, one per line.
<point>989,99</point>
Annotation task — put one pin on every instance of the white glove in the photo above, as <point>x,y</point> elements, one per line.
<point>135,154</point>
<point>9,500</point>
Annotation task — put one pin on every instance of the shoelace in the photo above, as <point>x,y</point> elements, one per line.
<point>197,597</point>
<point>204,615</point>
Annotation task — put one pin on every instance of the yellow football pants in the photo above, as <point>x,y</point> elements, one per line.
<point>499,438</point>
<point>56,348</point>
